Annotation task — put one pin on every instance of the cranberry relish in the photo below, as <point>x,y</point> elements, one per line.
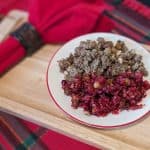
<point>100,96</point>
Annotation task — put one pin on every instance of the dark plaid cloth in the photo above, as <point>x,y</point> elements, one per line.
<point>132,19</point>
<point>16,134</point>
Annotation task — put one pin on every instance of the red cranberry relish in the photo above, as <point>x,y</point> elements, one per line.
<point>99,96</point>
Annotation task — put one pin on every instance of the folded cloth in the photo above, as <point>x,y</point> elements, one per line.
<point>57,22</point>
<point>7,5</point>
<point>63,21</point>
<point>11,51</point>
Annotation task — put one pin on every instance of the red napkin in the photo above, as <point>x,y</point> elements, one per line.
<point>11,51</point>
<point>64,20</point>
<point>57,22</point>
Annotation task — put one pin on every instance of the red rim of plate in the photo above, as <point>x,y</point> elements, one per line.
<point>80,121</point>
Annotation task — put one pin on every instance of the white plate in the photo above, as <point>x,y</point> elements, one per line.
<point>54,78</point>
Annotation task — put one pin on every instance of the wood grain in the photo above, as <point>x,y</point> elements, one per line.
<point>23,93</point>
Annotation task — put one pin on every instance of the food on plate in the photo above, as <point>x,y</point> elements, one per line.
<point>102,77</point>
<point>100,96</point>
<point>103,58</point>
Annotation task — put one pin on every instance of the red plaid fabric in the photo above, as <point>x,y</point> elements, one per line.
<point>16,134</point>
<point>131,18</point>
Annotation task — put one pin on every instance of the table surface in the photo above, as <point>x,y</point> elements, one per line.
<point>24,93</point>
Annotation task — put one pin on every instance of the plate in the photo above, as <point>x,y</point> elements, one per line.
<point>54,78</point>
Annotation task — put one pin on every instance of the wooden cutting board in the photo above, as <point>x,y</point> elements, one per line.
<point>23,93</point>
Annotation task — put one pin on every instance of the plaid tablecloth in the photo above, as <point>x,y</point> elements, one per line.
<point>16,134</point>
<point>132,19</point>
